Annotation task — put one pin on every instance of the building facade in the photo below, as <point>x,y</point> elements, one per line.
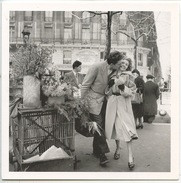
<point>76,36</point>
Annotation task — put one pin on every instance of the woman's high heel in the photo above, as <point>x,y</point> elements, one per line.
<point>131,165</point>
<point>141,126</point>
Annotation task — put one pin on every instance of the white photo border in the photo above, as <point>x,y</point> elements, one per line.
<point>173,8</point>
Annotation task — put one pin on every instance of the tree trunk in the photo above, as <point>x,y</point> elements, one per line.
<point>108,35</point>
<point>136,54</point>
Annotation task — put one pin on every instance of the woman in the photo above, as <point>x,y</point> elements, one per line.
<point>119,123</point>
<point>138,107</point>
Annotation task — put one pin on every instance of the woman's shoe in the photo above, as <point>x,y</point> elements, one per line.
<point>141,126</point>
<point>131,165</point>
<point>116,156</point>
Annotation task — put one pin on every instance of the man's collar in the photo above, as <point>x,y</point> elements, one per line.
<point>74,72</point>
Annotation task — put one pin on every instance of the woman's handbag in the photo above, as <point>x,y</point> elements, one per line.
<point>137,98</point>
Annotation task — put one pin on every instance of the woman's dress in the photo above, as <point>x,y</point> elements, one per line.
<point>119,123</point>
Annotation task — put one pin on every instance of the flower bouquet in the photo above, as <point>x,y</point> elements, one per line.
<point>55,88</point>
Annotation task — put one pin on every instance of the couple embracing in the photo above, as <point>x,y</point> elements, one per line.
<point>108,86</point>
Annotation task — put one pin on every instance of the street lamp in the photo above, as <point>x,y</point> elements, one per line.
<point>26,34</point>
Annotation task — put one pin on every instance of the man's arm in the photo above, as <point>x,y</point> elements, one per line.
<point>88,80</point>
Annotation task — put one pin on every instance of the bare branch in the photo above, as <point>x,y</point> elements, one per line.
<point>116,12</point>
<point>124,34</point>
<point>98,13</point>
<point>80,18</point>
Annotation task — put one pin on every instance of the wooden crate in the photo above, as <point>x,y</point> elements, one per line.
<point>36,130</point>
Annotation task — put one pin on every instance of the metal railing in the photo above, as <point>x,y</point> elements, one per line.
<point>13,40</point>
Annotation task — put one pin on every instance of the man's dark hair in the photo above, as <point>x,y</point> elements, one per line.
<point>114,57</point>
<point>136,71</point>
<point>76,64</point>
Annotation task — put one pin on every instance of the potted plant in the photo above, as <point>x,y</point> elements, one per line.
<point>29,62</point>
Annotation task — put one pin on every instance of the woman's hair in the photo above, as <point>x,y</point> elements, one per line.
<point>136,71</point>
<point>114,57</point>
<point>130,64</point>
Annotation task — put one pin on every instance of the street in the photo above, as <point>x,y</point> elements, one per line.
<point>151,150</point>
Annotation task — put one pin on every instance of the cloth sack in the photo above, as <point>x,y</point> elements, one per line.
<point>83,130</point>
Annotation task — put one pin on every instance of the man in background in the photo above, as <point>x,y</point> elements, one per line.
<point>150,96</point>
<point>74,77</point>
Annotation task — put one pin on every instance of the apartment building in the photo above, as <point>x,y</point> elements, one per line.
<point>77,35</point>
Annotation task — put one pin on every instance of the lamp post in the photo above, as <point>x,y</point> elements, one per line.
<point>26,34</point>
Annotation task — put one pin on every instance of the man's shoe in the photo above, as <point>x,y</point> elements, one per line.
<point>96,155</point>
<point>103,160</point>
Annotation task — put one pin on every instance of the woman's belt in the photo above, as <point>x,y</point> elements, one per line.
<point>117,94</point>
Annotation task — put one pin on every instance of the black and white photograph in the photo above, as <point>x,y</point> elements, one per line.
<point>90,91</point>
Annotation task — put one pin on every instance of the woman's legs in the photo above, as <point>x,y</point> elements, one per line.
<point>130,153</point>
<point>140,122</point>
<point>136,122</point>
<point>118,147</point>
<point>117,152</point>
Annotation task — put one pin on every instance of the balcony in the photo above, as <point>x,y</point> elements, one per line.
<point>84,42</point>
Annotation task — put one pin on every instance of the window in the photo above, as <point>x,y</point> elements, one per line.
<point>28,16</point>
<point>77,31</point>
<point>85,35</point>
<point>102,55</point>
<point>67,34</point>
<point>103,35</point>
<point>86,17</point>
<point>140,59</point>
<point>67,57</point>
<point>12,15</point>
<point>96,31</point>
<point>12,33</point>
<point>122,39</point>
<point>48,16</point>
<point>103,19</point>
<point>68,16</point>
<point>122,19</point>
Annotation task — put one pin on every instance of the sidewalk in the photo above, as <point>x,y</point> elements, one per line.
<point>151,152</point>
<point>166,106</point>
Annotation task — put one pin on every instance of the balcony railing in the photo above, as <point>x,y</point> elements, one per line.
<point>85,42</point>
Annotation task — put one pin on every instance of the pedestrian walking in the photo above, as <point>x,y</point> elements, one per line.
<point>93,88</point>
<point>150,97</point>
<point>138,106</point>
<point>120,123</point>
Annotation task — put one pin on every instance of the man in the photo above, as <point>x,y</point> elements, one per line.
<point>74,77</point>
<point>150,97</point>
<point>93,88</point>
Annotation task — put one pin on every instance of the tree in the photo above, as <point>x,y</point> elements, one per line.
<point>142,23</point>
<point>110,15</point>
<point>143,26</point>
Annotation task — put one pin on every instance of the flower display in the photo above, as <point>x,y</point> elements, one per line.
<point>55,87</point>
<point>30,59</point>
